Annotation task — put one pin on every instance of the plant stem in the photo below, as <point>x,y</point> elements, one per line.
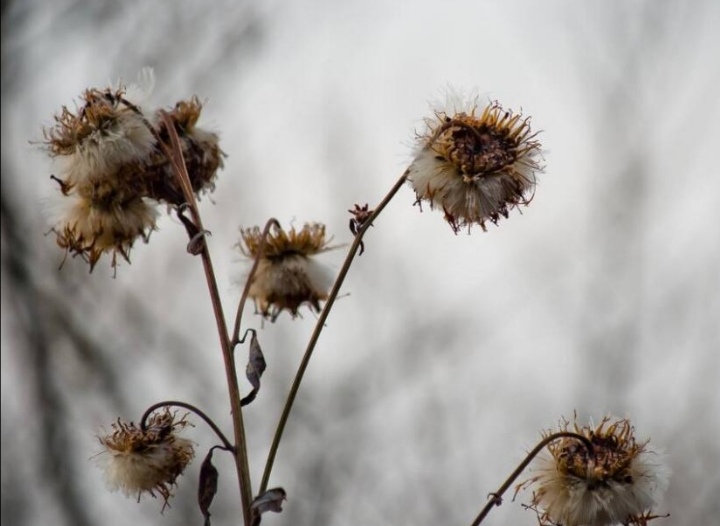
<point>272,222</point>
<point>496,498</point>
<point>209,421</point>
<point>240,449</point>
<point>319,327</point>
<point>241,454</point>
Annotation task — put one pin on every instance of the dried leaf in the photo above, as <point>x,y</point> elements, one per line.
<point>255,368</point>
<point>197,237</point>
<point>207,488</point>
<point>197,244</point>
<point>271,500</point>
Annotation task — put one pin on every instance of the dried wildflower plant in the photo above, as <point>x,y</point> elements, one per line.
<point>287,276</point>
<point>118,161</point>
<point>140,460</point>
<point>113,172</point>
<point>620,482</point>
<point>475,163</point>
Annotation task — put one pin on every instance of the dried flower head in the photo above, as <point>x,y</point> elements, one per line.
<point>113,169</point>
<point>103,219</point>
<point>475,163</point>
<point>619,484</point>
<point>150,460</point>
<point>201,151</point>
<point>287,275</point>
<point>106,134</point>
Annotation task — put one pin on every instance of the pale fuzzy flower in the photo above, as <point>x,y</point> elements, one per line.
<point>101,138</point>
<point>137,461</point>
<point>475,162</point>
<point>287,276</point>
<point>621,484</point>
<point>101,219</point>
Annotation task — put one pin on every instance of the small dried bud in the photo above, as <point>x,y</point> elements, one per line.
<point>150,460</point>
<point>287,275</point>
<point>619,483</point>
<point>476,164</point>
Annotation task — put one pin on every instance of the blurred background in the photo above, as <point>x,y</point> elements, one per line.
<point>448,354</point>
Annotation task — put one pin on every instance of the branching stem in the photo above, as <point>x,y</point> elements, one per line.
<point>209,421</point>
<point>175,156</point>
<point>496,498</point>
<point>319,327</point>
<point>272,222</point>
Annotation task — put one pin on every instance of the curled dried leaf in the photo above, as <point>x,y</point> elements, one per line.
<point>254,370</point>
<point>271,500</point>
<point>207,488</point>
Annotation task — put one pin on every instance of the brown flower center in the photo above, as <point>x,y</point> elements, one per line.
<point>479,151</point>
<point>611,460</point>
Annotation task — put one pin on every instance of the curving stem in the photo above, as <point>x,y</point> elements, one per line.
<point>175,155</point>
<point>272,222</point>
<point>209,421</point>
<point>496,498</point>
<point>319,327</point>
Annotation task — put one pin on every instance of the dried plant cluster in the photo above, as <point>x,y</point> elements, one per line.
<point>120,161</point>
<point>140,460</point>
<point>114,173</point>
<point>618,483</point>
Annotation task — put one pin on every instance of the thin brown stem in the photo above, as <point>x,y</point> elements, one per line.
<point>272,222</point>
<point>496,498</point>
<point>319,327</point>
<point>209,421</point>
<point>240,449</point>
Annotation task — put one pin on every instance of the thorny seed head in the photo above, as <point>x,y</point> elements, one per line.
<point>287,276</point>
<point>138,461</point>
<point>474,163</point>
<point>619,483</point>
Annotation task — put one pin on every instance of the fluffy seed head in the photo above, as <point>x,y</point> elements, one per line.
<point>474,163</point>
<point>201,151</point>
<point>104,135</point>
<point>138,461</point>
<point>101,219</point>
<point>619,484</point>
<point>113,169</point>
<point>287,275</point>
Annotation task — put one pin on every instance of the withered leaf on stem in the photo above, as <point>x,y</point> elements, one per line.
<point>255,368</point>
<point>197,238</point>
<point>271,500</point>
<point>207,488</point>
<point>197,244</point>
